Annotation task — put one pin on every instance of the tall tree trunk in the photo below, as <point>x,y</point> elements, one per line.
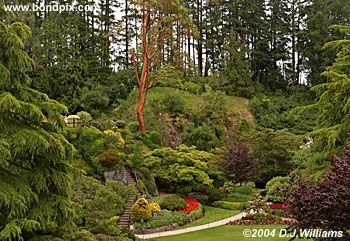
<point>126,34</point>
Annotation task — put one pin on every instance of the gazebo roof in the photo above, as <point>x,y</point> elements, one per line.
<point>73,117</point>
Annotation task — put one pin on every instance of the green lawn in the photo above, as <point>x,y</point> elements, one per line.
<point>212,214</point>
<point>225,233</point>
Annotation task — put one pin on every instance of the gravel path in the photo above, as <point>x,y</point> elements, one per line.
<point>191,229</point>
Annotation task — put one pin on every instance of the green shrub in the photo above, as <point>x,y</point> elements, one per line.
<point>193,88</point>
<point>262,217</point>
<point>99,203</point>
<point>170,202</point>
<point>151,139</point>
<point>197,213</point>
<point>141,186</point>
<point>85,117</point>
<point>202,137</point>
<point>133,127</point>
<point>184,168</point>
<point>165,218</point>
<point>214,195</point>
<point>109,158</point>
<point>236,197</point>
<point>245,190</point>
<point>173,103</point>
<point>275,188</point>
<point>148,180</point>
<point>200,197</point>
<point>230,187</point>
<point>141,210</point>
<point>279,212</point>
<point>230,205</point>
<point>156,138</point>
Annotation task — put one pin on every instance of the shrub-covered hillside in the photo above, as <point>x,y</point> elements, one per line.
<point>197,117</point>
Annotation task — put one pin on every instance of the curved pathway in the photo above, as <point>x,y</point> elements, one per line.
<point>191,229</point>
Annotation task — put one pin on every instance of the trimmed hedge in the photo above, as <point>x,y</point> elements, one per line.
<point>230,205</point>
<point>236,197</point>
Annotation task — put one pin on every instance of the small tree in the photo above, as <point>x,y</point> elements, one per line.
<point>158,18</point>
<point>239,165</point>
<point>326,204</point>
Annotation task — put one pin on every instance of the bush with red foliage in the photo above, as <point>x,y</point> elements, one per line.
<point>325,205</point>
<point>192,204</point>
<point>239,165</point>
<point>281,206</point>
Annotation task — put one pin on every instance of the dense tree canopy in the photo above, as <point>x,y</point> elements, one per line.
<point>35,169</point>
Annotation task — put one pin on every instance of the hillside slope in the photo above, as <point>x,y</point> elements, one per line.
<point>174,112</point>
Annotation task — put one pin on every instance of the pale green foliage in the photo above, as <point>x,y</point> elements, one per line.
<point>34,171</point>
<point>333,102</point>
<point>184,167</point>
<point>275,188</point>
<point>85,117</point>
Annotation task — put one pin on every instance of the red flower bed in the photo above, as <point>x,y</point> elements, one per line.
<point>279,206</point>
<point>192,204</point>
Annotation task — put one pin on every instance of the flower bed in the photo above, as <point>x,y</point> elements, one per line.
<point>192,204</point>
<point>281,206</point>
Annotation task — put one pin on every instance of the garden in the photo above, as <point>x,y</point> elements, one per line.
<point>153,117</point>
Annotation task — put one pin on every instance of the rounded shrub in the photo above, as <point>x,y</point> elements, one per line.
<point>155,207</point>
<point>171,202</point>
<point>133,127</point>
<point>155,137</point>
<point>202,137</point>
<point>141,210</point>
<point>174,104</point>
<point>109,158</point>
<point>245,190</point>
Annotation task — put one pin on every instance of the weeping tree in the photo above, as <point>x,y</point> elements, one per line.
<point>158,19</point>
<point>334,97</point>
<point>35,172</point>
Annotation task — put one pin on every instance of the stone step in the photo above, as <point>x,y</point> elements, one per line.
<point>124,219</point>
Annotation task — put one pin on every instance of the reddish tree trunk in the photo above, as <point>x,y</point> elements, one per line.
<point>140,119</point>
<point>153,36</point>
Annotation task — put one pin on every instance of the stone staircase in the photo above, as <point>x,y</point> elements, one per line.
<point>124,220</point>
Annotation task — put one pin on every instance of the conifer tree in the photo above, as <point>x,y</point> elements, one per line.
<point>334,98</point>
<point>34,157</point>
<point>236,76</point>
